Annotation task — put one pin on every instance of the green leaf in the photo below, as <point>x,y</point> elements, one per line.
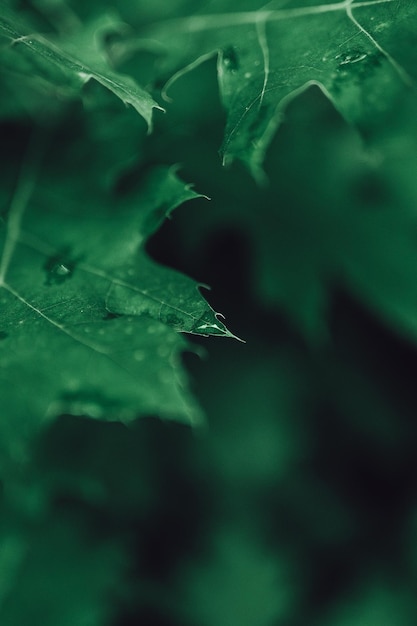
<point>62,65</point>
<point>374,601</point>
<point>88,323</point>
<point>239,583</point>
<point>339,216</point>
<point>54,573</point>
<point>360,53</point>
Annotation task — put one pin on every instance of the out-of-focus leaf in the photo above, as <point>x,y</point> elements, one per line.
<point>61,65</point>
<point>377,602</point>
<point>239,584</point>
<point>339,215</point>
<point>57,574</point>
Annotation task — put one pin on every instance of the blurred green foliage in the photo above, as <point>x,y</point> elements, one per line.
<point>297,503</point>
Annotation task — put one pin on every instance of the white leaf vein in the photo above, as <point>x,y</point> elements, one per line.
<point>404,76</point>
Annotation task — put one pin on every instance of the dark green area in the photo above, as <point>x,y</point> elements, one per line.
<point>296,503</point>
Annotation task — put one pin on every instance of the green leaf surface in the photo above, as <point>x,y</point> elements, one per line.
<point>241,583</point>
<point>339,216</point>
<point>360,53</point>
<point>88,323</point>
<point>63,64</point>
<point>57,569</point>
<point>376,602</point>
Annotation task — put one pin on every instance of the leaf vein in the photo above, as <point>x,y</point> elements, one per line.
<point>201,23</point>
<point>24,188</point>
<point>93,346</point>
<point>263,44</point>
<point>39,246</point>
<point>404,76</point>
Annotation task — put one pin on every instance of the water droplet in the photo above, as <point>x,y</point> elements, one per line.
<point>354,56</point>
<point>248,74</point>
<point>59,272</point>
<point>73,384</point>
<point>59,268</point>
<point>230,60</point>
<point>139,355</point>
<point>173,320</point>
<point>163,352</point>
